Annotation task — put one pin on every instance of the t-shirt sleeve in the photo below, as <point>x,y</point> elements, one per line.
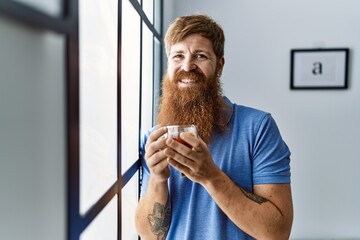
<point>145,173</point>
<point>271,155</point>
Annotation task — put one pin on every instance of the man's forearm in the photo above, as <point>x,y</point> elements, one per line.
<point>153,213</point>
<point>257,216</point>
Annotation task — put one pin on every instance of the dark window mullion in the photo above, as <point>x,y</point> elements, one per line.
<point>140,97</point>
<point>73,121</point>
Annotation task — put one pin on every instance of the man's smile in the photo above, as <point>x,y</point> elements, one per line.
<point>186,82</point>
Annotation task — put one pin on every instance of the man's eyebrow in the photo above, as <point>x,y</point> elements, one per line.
<point>177,51</point>
<point>201,51</point>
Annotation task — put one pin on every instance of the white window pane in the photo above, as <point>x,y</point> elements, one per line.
<point>129,202</point>
<point>98,99</point>
<point>148,6</point>
<point>105,225</point>
<point>147,80</point>
<point>130,85</point>
<point>50,7</point>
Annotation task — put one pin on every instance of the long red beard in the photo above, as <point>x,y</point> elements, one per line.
<point>199,104</point>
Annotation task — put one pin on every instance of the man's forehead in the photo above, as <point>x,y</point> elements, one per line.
<point>193,43</point>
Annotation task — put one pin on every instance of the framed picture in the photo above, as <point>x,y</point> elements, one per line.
<point>319,68</point>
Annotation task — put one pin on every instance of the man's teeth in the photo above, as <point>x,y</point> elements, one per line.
<point>187,81</point>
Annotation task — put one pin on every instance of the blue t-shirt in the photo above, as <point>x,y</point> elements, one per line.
<point>251,152</point>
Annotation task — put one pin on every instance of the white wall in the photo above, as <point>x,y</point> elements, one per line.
<point>32,134</point>
<point>320,127</point>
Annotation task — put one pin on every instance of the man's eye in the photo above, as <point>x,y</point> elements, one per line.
<point>200,56</point>
<point>177,56</point>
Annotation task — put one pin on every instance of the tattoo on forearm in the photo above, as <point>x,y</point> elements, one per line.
<point>253,197</point>
<point>159,220</point>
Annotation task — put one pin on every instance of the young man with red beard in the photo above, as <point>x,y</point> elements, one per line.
<point>237,183</point>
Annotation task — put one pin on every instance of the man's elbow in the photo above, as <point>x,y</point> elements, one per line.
<point>281,229</point>
<point>284,228</point>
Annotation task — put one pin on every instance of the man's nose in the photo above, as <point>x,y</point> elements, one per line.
<point>188,65</point>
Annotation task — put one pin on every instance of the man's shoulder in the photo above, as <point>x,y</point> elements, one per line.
<point>250,110</point>
<point>244,111</point>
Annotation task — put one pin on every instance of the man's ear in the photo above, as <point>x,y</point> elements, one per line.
<point>221,63</point>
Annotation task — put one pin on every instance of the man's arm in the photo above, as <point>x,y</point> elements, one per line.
<point>265,214</point>
<point>153,212</point>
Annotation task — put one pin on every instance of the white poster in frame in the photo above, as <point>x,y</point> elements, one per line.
<point>319,68</point>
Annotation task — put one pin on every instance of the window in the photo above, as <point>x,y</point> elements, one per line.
<point>113,70</point>
<point>120,58</point>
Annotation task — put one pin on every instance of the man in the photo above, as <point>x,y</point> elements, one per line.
<point>237,183</point>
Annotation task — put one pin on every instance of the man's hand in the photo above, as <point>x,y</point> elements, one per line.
<point>195,161</point>
<point>155,157</point>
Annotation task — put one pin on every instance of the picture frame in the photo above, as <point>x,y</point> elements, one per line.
<point>324,68</point>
